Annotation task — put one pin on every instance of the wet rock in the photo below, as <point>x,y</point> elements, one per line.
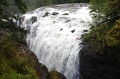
<point>85,30</point>
<point>94,65</point>
<point>46,14</point>
<point>65,14</point>
<point>21,20</point>
<point>55,13</point>
<point>73,31</point>
<point>67,21</point>
<point>34,19</point>
<point>56,75</point>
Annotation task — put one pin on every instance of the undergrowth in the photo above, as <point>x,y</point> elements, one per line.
<point>14,64</point>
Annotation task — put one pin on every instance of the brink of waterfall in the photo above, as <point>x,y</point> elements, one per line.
<point>54,35</point>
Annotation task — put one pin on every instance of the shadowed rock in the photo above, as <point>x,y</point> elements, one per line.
<point>34,19</point>
<point>56,75</point>
<point>73,31</point>
<point>65,14</point>
<point>85,30</point>
<point>55,13</point>
<point>46,14</point>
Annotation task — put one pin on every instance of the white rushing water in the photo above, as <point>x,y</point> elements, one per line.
<point>55,39</point>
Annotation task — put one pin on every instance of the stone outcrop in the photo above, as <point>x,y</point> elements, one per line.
<point>41,69</point>
<point>65,14</point>
<point>56,75</point>
<point>95,64</point>
<point>24,54</point>
<point>46,14</point>
<point>55,13</point>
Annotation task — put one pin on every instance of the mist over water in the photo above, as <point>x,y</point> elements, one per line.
<point>54,35</point>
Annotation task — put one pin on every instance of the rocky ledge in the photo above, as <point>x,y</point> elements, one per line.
<point>41,69</point>
<point>95,63</point>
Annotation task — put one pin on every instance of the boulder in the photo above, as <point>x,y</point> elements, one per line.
<point>65,14</point>
<point>85,30</point>
<point>56,75</point>
<point>73,31</point>
<point>46,14</point>
<point>55,13</point>
<point>61,29</point>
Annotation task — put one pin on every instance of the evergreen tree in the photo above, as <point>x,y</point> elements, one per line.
<point>97,9</point>
<point>103,10</point>
<point>112,9</point>
<point>7,19</point>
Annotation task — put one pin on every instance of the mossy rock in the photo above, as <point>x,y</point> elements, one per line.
<point>56,75</point>
<point>65,14</point>
<point>55,13</point>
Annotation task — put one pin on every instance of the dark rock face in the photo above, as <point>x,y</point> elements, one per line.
<point>86,67</point>
<point>96,65</point>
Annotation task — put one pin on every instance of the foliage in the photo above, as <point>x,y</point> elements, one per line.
<point>82,1</point>
<point>112,9</point>
<point>33,4</point>
<point>14,64</point>
<point>7,19</point>
<point>106,39</point>
<point>56,75</point>
<point>97,35</point>
<point>105,9</point>
<point>113,36</point>
<point>107,33</point>
<point>97,9</point>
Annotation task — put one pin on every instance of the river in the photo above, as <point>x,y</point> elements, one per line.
<point>54,35</point>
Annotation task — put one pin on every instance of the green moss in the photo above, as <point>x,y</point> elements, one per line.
<point>42,66</point>
<point>113,36</point>
<point>14,64</point>
<point>54,75</point>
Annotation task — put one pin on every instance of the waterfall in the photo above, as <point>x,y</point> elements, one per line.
<point>54,35</point>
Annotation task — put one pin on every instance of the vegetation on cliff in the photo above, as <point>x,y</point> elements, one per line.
<point>16,60</point>
<point>106,34</point>
<point>103,40</point>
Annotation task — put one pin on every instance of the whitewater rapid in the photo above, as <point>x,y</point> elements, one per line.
<point>56,38</point>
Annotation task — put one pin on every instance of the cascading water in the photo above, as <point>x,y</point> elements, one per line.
<point>54,35</point>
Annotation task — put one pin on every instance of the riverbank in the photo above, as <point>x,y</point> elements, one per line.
<point>100,55</point>
<point>18,62</point>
